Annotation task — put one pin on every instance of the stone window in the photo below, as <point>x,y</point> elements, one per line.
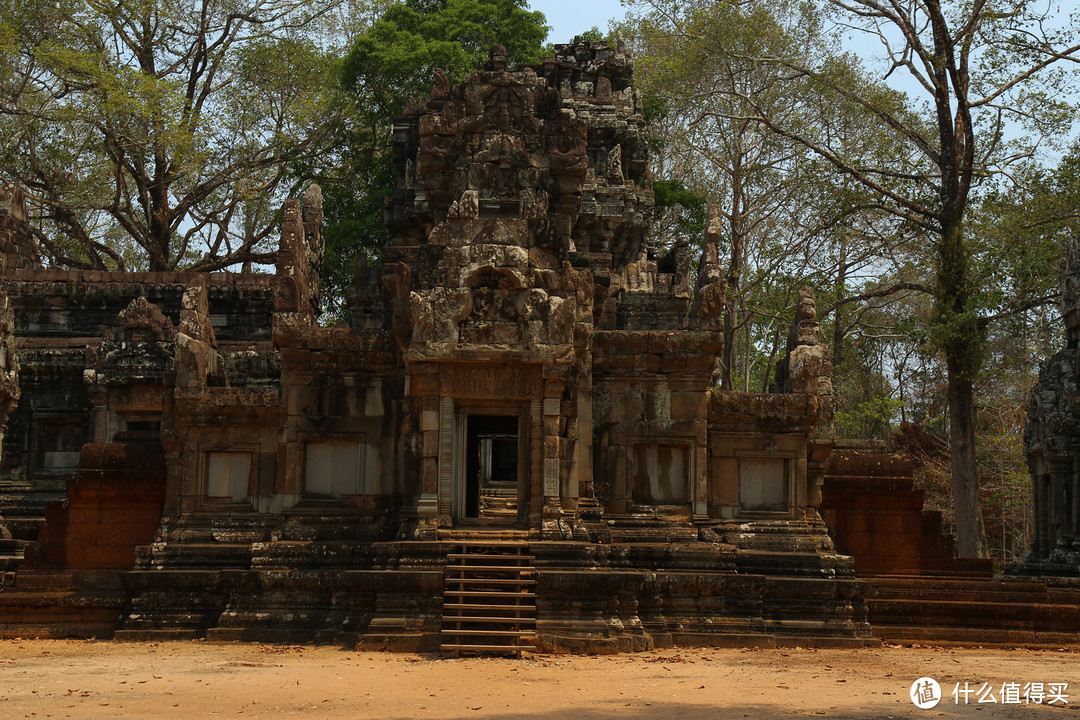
<point>763,483</point>
<point>144,425</point>
<point>660,474</point>
<point>334,467</point>
<point>228,475</point>
<point>60,441</point>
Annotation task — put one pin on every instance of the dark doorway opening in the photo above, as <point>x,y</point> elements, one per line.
<point>491,471</point>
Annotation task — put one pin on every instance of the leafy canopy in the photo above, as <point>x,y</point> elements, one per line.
<point>389,63</point>
<point>393,61</point>
<point>157,135</point>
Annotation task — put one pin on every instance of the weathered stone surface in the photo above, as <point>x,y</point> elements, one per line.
<point>1050,442</point>
<point>16,243</point>
<point>523,368</point>
<point>876,515</point>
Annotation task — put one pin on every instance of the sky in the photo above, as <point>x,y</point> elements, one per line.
<point>568,18</point>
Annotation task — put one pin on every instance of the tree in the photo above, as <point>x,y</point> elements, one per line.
<point>979,67</point>
<point>785,215</point>
<point>157,135</point>
<point>391,62</point>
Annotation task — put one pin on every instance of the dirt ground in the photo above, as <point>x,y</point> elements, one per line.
<point>192,680</point>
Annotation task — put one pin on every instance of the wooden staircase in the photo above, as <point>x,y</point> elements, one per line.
<point>489,601</point>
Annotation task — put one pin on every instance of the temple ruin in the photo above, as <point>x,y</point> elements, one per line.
<point>517,444</point>
<point>1052,443</point>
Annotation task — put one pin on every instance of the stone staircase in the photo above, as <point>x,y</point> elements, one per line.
<point>247,575</point>
<point>489,600</point>
<point>44,603</point>
<point>962,610</point>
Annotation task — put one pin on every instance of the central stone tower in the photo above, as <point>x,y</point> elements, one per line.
<point>522,290</point>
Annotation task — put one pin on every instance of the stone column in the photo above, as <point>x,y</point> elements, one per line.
<point>446,435</point>
<point>428,504</point>
<point>536,462</point>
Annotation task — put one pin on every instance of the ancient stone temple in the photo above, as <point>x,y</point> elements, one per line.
<point>1052,443</point>
<point>518,440</point>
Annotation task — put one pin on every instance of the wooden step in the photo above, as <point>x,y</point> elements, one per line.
<point>483,606</point>
<point>457,647</point>
<point>490,593</point>
<point>488,619</point>
<point>477,578</point>
<point>491,581</point>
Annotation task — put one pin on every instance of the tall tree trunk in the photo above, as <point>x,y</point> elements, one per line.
<point>747,340</point>
<point>970,529</point>
<point>961,339</point>
<point>731,309</point>
<point>839,318</point>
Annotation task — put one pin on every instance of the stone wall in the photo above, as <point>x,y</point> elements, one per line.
<point>876,515</point>
<point>113,505</point>
<point>1052,442</point>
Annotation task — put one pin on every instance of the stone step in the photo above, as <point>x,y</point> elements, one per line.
<point>946,635</point>
<point>59,614</point>
<point>931,594</point>
<point>990,614</point>
<point>12,547</point>
<point>26,528</point>
<point>953,583</point>
<point>155,635</point>
<point>198,555</point>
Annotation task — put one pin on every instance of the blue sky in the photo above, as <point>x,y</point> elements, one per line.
<point>568,18</point>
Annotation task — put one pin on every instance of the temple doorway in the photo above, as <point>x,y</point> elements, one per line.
<point>492,469</point>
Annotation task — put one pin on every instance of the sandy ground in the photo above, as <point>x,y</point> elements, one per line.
<point>192,680</point>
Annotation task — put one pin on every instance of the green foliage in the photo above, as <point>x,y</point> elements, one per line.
<point>157,135</point>
<point>394,59</point>
<point>594,34</point>
<point>389,63</point>
<point>784,214</point>
<point>680,210</point>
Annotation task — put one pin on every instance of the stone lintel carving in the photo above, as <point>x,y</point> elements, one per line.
<point>142,321</point>
<point>475,381</point>
<point>138,349</point>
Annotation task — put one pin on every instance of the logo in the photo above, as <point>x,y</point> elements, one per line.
<point>925,693</point>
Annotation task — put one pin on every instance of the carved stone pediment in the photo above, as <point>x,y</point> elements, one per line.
<point>140,348</point>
